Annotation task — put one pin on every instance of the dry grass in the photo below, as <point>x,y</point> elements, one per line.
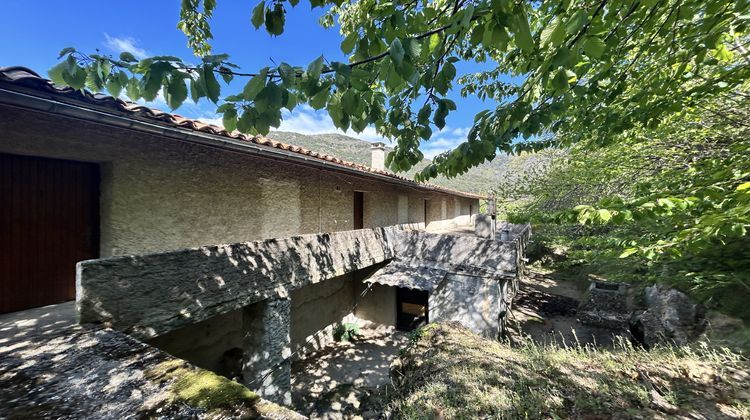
<point>449,372</point>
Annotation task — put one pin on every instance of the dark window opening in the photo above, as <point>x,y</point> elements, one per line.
<point>411,309</point>
<point>359,210</point>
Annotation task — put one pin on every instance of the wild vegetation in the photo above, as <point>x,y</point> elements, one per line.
<point>450,372</point>
<point>669,204</point>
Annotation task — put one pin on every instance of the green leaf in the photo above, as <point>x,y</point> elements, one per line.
<point>347,45</point>
<point>76,77</point>
<point>315,68</point>
<point>133,89</point>
<point>594,47</point>
<point>229,119</point>
<point>423,117</point>
<point>246,122</point>
<point>226,76</point>
<point>65,51</point>
<point>153,79</point>
<point>319,100</point>
<point>434,42</point>
<point>269,98</point>
<point>554,34</point>
<point>628,252</point>
<point>440,113</point>
<point>412,47</point>
<point>576,22</point>
<point>291,101</point>
<point>275,19</point>
<point>208,83</point>
<point>560,81</point>
<point>604,215</point>
<point>176,92</point>
<point>113,86</point>
<point>255,84</point>
<point>522,32</point>
<point>258,17</point>
<point>744,186</point>
<point>127,57</point>
<point>288,74</point>
<point>396,51</point>
<point>56,73</point>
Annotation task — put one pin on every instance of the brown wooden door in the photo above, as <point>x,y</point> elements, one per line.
<point>359,210</point>
<point>49,220</point>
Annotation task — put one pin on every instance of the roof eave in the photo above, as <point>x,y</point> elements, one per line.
<point>46,103</point>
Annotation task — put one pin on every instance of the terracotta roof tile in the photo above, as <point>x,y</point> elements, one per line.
<point>17,76</point>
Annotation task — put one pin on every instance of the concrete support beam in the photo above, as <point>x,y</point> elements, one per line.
<point>267,367</point>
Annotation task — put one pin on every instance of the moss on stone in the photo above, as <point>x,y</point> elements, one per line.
<point>201,388</point>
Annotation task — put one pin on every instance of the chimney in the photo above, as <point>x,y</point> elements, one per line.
<point>378,156</point>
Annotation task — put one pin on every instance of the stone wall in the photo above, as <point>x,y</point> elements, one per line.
<point>470,252</point>
<point>149,295</point>
<point>266,362</point>
<point>160,194</point>
<point>476,303</point>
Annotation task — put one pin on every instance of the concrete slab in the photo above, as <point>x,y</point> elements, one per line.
<point>36,321</point>
<point>50,367</point>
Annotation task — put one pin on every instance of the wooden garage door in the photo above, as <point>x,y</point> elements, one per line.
<point>49,220</point>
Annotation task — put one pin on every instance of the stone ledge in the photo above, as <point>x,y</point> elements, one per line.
<point>90,372</point>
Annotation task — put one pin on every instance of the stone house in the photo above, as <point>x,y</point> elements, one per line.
<point>145,198</point>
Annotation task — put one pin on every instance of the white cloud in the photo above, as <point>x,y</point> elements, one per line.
<point>126,44</point>
<point>212,119</point>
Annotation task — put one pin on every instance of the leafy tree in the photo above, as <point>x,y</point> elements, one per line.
<point>667,204</point>
<point>591,69</point>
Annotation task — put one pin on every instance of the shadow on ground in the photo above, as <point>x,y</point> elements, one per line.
<point>347,379</point>
<point>545,312</point>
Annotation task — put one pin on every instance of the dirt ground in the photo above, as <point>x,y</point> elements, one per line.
<point>347,379</point>
<point>545,312</point>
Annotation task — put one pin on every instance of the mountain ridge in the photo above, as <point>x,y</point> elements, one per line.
<point>480,179</point>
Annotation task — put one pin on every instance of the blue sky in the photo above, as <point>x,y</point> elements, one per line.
<point>33,32</point>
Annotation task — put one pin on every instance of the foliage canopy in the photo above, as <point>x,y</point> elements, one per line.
<point>666,204</point>
<point>589,69</point>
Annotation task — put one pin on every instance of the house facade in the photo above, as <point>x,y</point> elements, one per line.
<point>87,176</point>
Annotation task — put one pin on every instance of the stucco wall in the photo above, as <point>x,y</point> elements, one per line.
<point>378,305</point>
<point>159,194</point>
<point>317,310</point>
<point>204,343</point>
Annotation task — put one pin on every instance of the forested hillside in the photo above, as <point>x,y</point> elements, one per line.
<point>479,179</point>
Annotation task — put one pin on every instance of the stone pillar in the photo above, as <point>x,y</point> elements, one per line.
<point>267,366</point>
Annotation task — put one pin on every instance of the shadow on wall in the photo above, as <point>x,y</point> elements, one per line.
<point>153,294</point>
<point>50,367</point>
<point>150,295</point>
<point>471,254</point>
